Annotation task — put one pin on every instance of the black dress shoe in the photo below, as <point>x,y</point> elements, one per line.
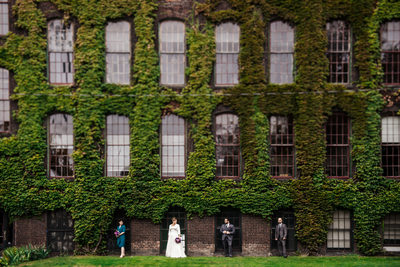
<point>285,257</point>
<point>230,256</point>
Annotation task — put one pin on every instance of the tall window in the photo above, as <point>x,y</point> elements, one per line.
<point>61,146</point>
<point>4,101</point>
<point>338,145</point>
<point>227,146</point>
<point>60,232</point>
<point>339,231</point>
<point>227,60</point>
<point>281,52</point>
<point>4,26</point>
<point>118,155</point>
<point>172,53</point>
<point>118,56</point>
<point>60,48</point>
<point>282,147</point>
<point>172,146</point>
<point>391,230</point>
<point>338,51</point>
<point>391,146</point>
<point>390,48</point>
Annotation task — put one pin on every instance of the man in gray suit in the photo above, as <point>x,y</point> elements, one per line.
<point>227,231</point>
<point>280,236</point>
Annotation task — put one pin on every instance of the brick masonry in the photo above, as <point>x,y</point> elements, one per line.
<point>30,231</point>
<point>145,237</point>
<point>255,236</point>
<point>200,237</point>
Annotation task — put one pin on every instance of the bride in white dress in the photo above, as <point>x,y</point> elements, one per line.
<point>174,250</point>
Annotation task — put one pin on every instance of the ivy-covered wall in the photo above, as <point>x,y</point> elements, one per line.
<point>91,198</point>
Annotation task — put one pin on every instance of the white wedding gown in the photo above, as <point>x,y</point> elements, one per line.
<point>174,250</point>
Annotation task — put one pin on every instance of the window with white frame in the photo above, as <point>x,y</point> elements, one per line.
<point>118,154</point>
<point>172,53</point>
<point>172,146</point>
<point>339,231</point>
<point>60,52</point>
<point>4,25</point>
<point>118,52</point>
<point>61,146</point>
<point>227,37</point>
<point>281,52</point>
<point>390,52</point>
<point>391,146</point>
<point>4,101</point>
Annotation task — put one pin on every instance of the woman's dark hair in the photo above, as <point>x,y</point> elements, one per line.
<point>120,220</point>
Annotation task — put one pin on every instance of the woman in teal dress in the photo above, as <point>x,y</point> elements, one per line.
<point>121,237</point>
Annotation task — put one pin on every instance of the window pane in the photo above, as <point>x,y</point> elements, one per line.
<point>390,47</point>
<point>172,52</point>
<point>118,145</point>
<point>281,68</point>
<point>172,146</point>
<point>118,68</point>
<point>339,231</point>
<point>282,146</point>
<point>227,145</point>
<point>60,37</point>
<point>227,65</point>
<point>391,146</point>
<point>61,68</point>
<point>281,37</point>
<point>338,145</point>
<point>61,145</point>
<point>4,101</point>
<point>391,229</point>
<point>338,51</point>
<point>4,18</point>
<point>118,37</point>
<point>172,69</point>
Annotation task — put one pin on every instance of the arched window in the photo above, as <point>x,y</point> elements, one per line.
<point>281,52</point>
<point>282,147</point>
<point>338,145</point>
<point>227,143</point>
<point>173,146</point>
<point>391,146</point>
<point>4,100</point>
<point>60,52</point>
<point>118,154</point>
<point>340,231</point>
<point>172,53</point>
<point>118,52</point>
<point>339,48</point>
<point>61,146</point>
<point>4,24</point>
<point>390,48</point>
<point>227,59</point>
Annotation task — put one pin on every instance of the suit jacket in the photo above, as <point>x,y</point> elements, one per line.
<point>230,229</point>
<point>280,232</point>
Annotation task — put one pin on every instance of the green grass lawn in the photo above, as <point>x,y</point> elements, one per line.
<point>153,261</point>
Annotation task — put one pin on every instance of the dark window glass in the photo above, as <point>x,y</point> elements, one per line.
<point>282,147</point>
<point>60,232</point>
<point>390,52</point>
<point>235,218</point>
<point>338,51</point>
<point>338,145</point>
<point>180,215</point>
<point>227,145</point>
<point>61,146</point>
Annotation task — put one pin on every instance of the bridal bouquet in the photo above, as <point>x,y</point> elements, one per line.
<point>116,233</point>
<point>178,240</point>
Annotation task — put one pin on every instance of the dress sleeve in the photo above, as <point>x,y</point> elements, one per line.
<point>179,229</point>
<point>123,228</point>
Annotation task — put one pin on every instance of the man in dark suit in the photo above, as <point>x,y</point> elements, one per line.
<point>227,231</point>
<point>280,236</point>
